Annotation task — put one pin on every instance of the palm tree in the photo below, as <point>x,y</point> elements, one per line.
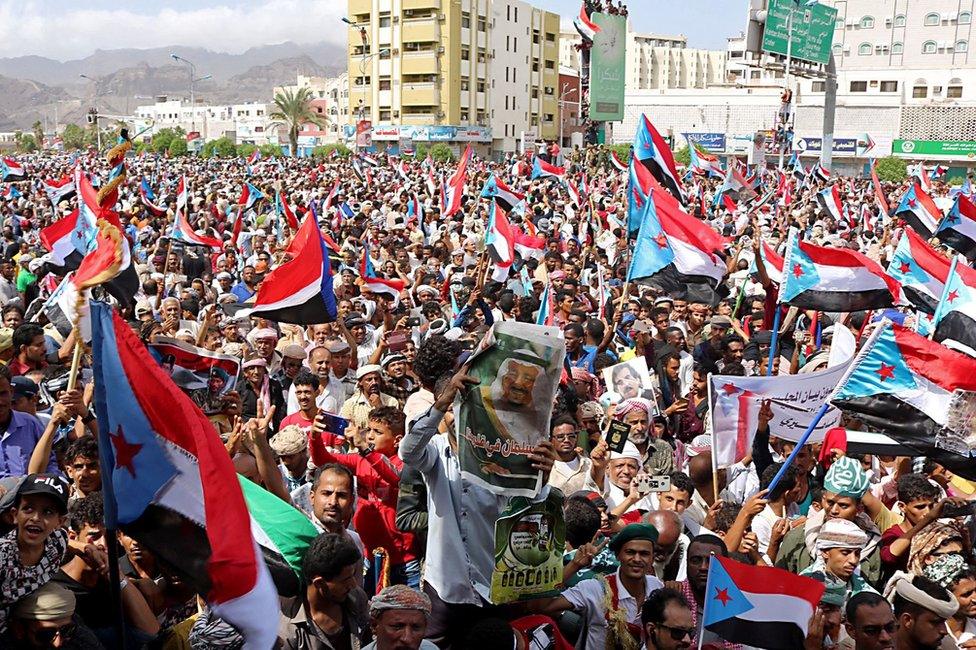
<point>294,110</point>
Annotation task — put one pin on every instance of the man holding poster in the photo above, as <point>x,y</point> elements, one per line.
<point>502,420</point>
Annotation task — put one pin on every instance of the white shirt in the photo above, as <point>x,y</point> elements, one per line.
<point>587,597</point>
<point>461,516</point>
<point>327,400</point>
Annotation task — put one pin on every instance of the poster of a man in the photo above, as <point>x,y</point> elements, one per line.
<point>628,380</point>
<point>503,418</point>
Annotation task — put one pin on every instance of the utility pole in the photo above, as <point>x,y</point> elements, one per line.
<point>789,61</point>
<point>830,108</point>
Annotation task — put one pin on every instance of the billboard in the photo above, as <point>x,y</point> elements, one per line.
<point>607,68</point>
<point>922,148</point>
<point>710,142</point>
<point>813,30</point>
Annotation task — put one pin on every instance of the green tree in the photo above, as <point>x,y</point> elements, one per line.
<point>73,136</point>
<point>38,130</point>
<point>245,150</point>
<point>293,110</point>
<point>441,152</point>
<point>163,138</point>
<point>270,150</point>
<point>892,169</point>
<point>177,146</point>
<point>420,151</point>
<point>682,156</point>
<point>25,142</point>
<point>223,147</point>
<point>326,150</point>
<point>622,151</point>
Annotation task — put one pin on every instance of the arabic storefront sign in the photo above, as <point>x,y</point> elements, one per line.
<point>710,142</point>
<point>921,148</point>
<point>814,146</point>
<point>795,399</point>
<point>502,419</point>
<point>607,68</point>
<point>529,543</point>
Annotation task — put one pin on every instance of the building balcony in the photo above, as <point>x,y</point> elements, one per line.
<point>419,94</point>
<point>424,62</point>
<point>422,30</point>
<point>417,4</point>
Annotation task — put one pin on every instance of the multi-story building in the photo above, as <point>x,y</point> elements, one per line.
<point>570,121</point>
<point>244,123</point>
<point>435,70</point>
<point>330,100</point>
<point>657,61</point>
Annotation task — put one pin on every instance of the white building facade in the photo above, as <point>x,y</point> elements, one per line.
<point>243,123</point>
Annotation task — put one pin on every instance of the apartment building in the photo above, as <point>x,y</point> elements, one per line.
<point>244,123</point>
<point>480,71</point>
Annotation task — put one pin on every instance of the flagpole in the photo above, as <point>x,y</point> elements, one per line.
<point>708,383</point>
<point>775,339</point>
<point>799,445</point>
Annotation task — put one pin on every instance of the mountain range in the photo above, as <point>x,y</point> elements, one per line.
<point>38,88</point>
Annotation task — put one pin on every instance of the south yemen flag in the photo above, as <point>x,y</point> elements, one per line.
<point>920,269</point>
<point>652,151</point>
<point>955,316</point>
<point>764,607</point>
<point>834,279</point>
<point>169,483</point>
<point>958,228</point>
<point>919,211</point>
<point>906,386</point>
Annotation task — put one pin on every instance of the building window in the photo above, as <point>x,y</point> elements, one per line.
<point>954,92</point>
<point>864,49</point>
<point>465,21</point>
<point>928,47</point>
<point>481,86</point>
<point>506,102</point>
<point>900,20</point>
<point>867,22</point>
<point>962,46</point>
<point>818,86</point>
<point>384,21</point>
<point>839,24</point>
<point>897,48</point>
<point>838,49</point>
<point>464,116</point>
<point>931,19</point>
<point>482,25</point>
<point>859,86</point>
<point>508,16</point>
<point>385,116</point>
<point>889,86</point>
<point>550,37</point>
<point>465,84</point>
<point>920,92</point>
<point>465,54</point>
<point>965,18</point>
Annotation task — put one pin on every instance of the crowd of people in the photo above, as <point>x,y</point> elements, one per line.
<point>888,536</point>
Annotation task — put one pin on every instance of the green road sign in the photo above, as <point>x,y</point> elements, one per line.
<point>922,148</point>
<point>813,30</point>
<point>607,68</point>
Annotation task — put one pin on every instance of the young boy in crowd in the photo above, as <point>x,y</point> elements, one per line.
<point>918,499</point>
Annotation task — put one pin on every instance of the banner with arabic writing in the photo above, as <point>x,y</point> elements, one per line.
<point>502,419</point>
<point>794,399</point>
<point>530,539</point>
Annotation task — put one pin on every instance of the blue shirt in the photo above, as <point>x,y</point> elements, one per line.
<point>242,292</point>
<point>17,444</point>
<point>586,360</point>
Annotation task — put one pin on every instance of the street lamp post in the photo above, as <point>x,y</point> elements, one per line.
<point>94,114</point>
<point>193,79</point>
<point>789,60</point>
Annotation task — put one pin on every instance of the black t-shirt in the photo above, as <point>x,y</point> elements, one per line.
<point>91,602</point>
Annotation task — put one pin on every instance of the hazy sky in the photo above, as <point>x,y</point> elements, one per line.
<point>67,29</point>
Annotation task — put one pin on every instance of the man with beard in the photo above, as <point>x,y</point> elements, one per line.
<point>368,396</point>
<point>616,626</point>
<point>870,622</point>
<point>667,621</point>
<point>333,500</point>
<point>398,616</point>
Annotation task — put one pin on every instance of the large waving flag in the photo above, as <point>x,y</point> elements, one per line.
<point>958,227</point>
<point>906,386</point>
<point>919,211</point>
<point>148,199</point>
<point>834,279</point>
<point>587,28</point>
<point>169,483</point>
<point>542,169</point>
<point>504,195</point>
<point>702,162</point>
<point>300,290</point>
<point>284,210</point>
<point>70,238</point>
<point>830,202</point>
<point>376,284</point>
<point>955,316</point>
<point>651,150</point>
<point>772,263</point>
<point>181,229</point>
<point>59,190</point>
<point>676,256</point>
<point>11,170</point>
<point>639,186</point>
<point>9,192</point>
<point>500,242</point>
<point>617,163</point>
<point>529,246</point>
<point>547,307</point>
<point>921,271</point>
<point>453,189</point>
<point>745,603</point>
